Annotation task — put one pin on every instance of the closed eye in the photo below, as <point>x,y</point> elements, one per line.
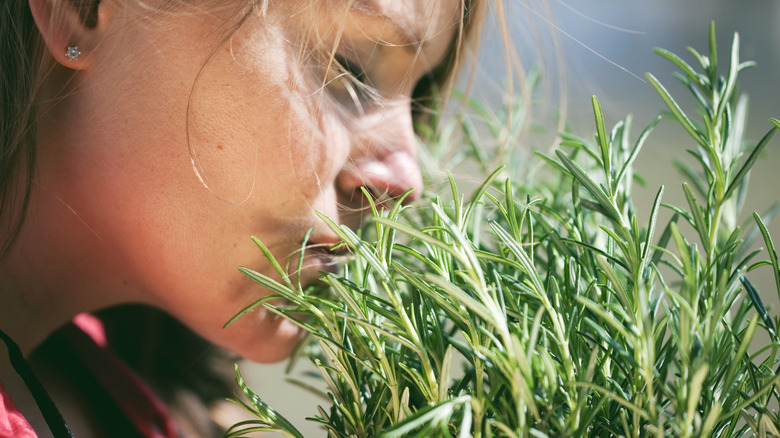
<point>353,86</point>
<point>351,68</point>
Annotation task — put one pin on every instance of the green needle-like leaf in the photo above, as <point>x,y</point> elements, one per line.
<point>754,154</point>
<point>678,113</point>
<point>591,186</point>
<point>770,247</point>
<point>601,137</point>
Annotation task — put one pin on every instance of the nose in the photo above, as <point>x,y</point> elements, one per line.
<point>383,158</point>
<point>386,177</point>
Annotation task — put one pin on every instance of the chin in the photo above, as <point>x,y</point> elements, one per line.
<point>261,336</point>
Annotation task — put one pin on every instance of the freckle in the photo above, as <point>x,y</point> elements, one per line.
<point>124,282</point>
<point>235,245</point>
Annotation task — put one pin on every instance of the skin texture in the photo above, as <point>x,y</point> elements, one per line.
<point>170,149</point>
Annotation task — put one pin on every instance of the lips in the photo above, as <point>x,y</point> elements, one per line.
<point>320,256</point>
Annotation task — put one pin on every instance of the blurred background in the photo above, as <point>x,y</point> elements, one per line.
<point>604,48</point>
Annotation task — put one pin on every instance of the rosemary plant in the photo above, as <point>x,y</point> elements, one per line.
<point>547,308</point>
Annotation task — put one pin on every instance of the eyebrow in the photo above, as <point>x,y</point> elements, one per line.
<point>411,42</point>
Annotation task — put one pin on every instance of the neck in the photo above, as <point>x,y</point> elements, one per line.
<point>28,314</point>
<point>42,289</point>
<point>58,267</point>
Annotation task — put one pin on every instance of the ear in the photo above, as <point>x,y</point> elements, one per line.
<point>71,28</point>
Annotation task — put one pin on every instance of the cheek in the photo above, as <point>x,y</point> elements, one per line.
<point>320,148</point>
<point>255,126</point>
<point>238,129</point>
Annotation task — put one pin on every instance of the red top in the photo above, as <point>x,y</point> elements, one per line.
<point>12,424</point>
<point>134,398</point>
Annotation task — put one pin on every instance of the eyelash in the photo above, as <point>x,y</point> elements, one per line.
<point>353,85</point>
<point>353,69</point>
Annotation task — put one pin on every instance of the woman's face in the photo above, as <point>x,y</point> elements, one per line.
<point>173,149</point>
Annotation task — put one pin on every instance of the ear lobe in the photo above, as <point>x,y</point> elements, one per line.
<point>69,28</point>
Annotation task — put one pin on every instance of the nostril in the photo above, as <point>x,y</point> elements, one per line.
<point>386,177</point>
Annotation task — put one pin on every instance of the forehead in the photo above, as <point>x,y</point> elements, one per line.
<point>414,21</point>
<point>425,28</point>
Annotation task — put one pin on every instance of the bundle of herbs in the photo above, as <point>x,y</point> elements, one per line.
<point>547,308</point>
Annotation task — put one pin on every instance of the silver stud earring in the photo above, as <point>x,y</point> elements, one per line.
<point>72,53</point>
